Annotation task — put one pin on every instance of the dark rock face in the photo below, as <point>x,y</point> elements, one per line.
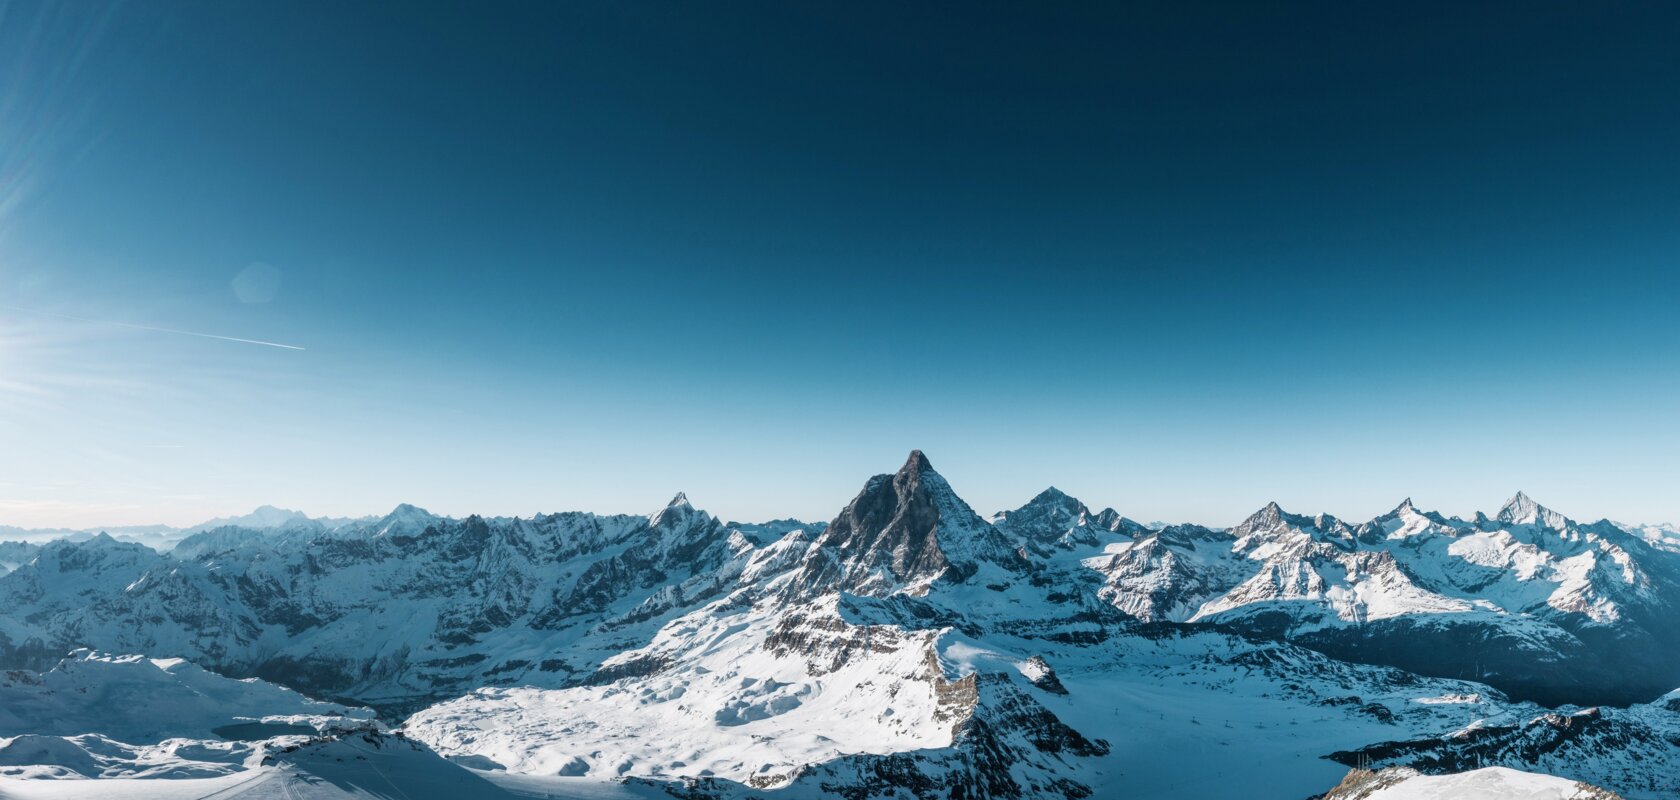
<point>1013,711</point>
<point>1045,518</point>
<point>1040,673</point>
<point>903,531</point>
<point>1602,746</point>
<point>1563,669</point>
<point>827,643</point>
<point>1054,520</point>
<point>892,525</point>
<point>1000,728</point>
<point>1360,783</point>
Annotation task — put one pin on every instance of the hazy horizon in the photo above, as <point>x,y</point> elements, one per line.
<point>985,511</point>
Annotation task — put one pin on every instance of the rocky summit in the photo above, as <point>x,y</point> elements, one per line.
<point>908,647</point>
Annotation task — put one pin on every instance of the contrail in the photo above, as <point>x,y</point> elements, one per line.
<point>154,328</point>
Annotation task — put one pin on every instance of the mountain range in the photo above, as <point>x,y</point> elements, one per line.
<point>908,646</point>
<point>164,537</point>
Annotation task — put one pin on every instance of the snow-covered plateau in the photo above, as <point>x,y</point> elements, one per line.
<point>907,648</point>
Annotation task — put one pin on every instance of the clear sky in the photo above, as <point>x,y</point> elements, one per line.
<point>1179,259</point>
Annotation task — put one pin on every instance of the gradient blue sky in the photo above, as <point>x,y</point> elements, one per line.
<point>1178,259</point>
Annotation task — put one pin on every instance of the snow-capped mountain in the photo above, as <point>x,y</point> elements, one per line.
<point>396,612</point>
<point>160,537</point>
<point>1662,536</point>
<point>909,645</point>
<point>271,518</point>
<point>1053,519</point>
<point>165,537</point>
<point>1528,601</point>
<point>13,554</point>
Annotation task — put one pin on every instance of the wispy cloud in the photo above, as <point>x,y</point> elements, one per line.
<point>153,328</point>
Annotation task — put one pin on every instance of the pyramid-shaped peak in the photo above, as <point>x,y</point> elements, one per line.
<point>675,512</point>
<point>1522,510</point>
<point>901,533</point>
<point>1267,518</point>
<point>1047,516</point>
<point>1050,495</point>
<point>1056,498</point>
<point>1405,507</point>
<point>918,472</point>
<point>1053,498</point>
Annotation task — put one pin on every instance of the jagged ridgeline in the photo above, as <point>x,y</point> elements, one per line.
<point>909,644</point>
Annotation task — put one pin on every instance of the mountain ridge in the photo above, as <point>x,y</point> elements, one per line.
<point>648,639</point>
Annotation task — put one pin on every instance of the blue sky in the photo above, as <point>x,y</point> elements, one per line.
<point>1177,259</point>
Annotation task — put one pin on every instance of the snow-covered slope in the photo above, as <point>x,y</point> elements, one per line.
<point>98,715</point>
<point>1066,699</point>
<point>1662,536</point>
<point>730,696</point>
<point>1634,750</point>
<point>1491,783</point>
<point>139,699</point>
<point>360,766</point>
<point>908,645</point>
<point>1528,600</point>
<point>787,683</point>
<point>396,612</point>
